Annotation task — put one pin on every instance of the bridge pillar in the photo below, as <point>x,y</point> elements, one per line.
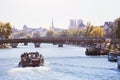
<point>26,44</point>
<point>60,45</point>
<point>14,45</point>
<point>54,43</point>
<point>37,44</point>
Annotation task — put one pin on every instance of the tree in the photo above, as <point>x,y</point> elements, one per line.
<point>21,34</point>
<point>28,36</point>
<point>63,33</point>
<point>75,33</point>
<point>1,29</point>
<point>70,33</point>
<point>97,32</point>
<point>5,32</point>
<point>117,28</point>
<point>88,30</point>
<point>8,29</point>
<point>50,33</point>
<point>5,29</point>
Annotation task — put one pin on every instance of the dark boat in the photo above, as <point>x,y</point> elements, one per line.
<point>95,51</point>
<point>32,59</point>
<point>113,56</point>
<point>118,62</point>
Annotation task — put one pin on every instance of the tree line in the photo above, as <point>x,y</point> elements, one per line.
<point>90,32</point>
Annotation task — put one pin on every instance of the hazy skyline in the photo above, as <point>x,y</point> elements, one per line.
<point>39,13</point>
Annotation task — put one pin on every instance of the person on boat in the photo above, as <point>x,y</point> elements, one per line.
<point>41,59</point>
<point>37,54</point>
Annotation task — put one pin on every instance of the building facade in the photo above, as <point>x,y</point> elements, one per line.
<point>77,25</point>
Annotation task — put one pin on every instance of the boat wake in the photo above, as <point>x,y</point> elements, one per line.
<point>27,73</point>
<point>29,69</point>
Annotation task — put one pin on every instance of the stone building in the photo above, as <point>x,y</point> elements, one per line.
<point>77,25</point>
<point>109,29</point>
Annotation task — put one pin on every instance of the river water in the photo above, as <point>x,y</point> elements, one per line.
<point>67,63</point>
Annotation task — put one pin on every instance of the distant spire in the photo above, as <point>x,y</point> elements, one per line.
<point>52,25</point>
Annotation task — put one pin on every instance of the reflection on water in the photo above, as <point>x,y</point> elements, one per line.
<point>67,63</point>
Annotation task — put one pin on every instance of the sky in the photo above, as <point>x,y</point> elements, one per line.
<point>40,13</point>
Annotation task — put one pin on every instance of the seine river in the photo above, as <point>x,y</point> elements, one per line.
<point>67,63</point>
